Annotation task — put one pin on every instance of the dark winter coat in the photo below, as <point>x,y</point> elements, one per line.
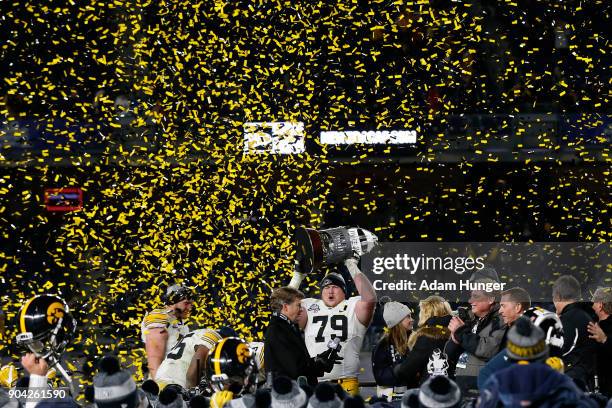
<point>579,351</point>
<point>497,363</point>
<point>604,357</point>
<point>384,357</point>
<point>430,336</point>
<point>286,353</point>
<point>535,385</point>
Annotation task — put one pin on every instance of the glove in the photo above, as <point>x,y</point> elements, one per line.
<point>355,257</point>
<point>298,276</point>
<point>327,359</point>
<point>352,265</point>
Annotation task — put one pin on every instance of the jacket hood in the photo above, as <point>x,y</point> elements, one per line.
<point>435,328</point>
<point>531,382</point>
<point>438,321</point>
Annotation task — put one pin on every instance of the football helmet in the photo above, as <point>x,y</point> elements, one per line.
<point>550,323</point>
<point>230,365</point>
<point>176,293</point>
<point>45,326</point>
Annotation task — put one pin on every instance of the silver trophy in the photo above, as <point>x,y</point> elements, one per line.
<point>330,246</point>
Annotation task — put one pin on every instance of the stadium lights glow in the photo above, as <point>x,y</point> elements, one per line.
<point>274,137</point>
<point>368,137</point>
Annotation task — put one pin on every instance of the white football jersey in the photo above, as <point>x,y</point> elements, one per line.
<point>173,370</point>
<point>164,319</point>
<point>325,323</point>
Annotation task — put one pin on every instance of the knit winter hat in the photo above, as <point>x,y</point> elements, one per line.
<point>324,397</point>
<point>58,403</point>
<point>439,392</point>
<point>150,390</point>
<point>394,313</point>
<point>199,401</point>
<point>114,388</point>
<point>410,398</point>
<point>333,279</point>
<point>287,394</point>
<point>246,401</point>
<point>170,397</point>
<point>526,341</point>
<point>6,402</point>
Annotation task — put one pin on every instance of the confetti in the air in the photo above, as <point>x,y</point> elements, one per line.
<point>142,104</point>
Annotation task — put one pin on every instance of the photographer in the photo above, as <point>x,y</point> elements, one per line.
<point>475,338</point>
<point>286,352</point>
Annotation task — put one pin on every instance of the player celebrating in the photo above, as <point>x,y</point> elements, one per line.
<point>185,362</point>
<point>162,328</point>
<point>336,316</point>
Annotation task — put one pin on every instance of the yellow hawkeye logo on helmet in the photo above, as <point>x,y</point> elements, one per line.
<point>243,352</point>
<point>55,311</point>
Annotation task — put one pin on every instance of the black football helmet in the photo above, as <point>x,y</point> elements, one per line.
<point>45,326</point>
<point>230,365</point>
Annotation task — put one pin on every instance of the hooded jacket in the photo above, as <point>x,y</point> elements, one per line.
<point>430,336</point>
<point>534,385</point>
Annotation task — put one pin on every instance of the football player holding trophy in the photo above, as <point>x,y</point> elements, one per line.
<point>335,314</point>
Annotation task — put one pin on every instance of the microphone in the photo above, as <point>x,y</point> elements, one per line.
<point>334,344</point>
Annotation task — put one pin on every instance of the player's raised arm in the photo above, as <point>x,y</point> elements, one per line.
<point>364,309</point>
<point>297,277</point>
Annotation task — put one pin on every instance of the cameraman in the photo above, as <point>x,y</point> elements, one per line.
<point>286,353</point>
<point>475,338</point>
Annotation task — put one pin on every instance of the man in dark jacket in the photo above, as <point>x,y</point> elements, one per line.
<point>475,341</point>
<point>528,381</point>
<point>578,349</point>
<point>601,332</point>
<point>285,349</point>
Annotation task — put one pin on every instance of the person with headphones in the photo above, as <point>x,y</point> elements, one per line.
<point>163,328</point>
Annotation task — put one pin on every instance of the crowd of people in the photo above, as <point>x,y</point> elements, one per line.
<point>169,79</point>
<point>500,351</point>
